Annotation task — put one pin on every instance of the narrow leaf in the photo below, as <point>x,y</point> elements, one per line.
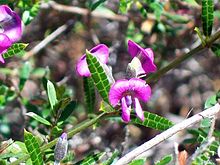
<point>91,159</point>
<point>98,75</point>
<point>24,74</point>
<point>112,158</point>
<point>207,16</point>
<point>165,160</point>
<point>216,49</point>
<point>38,118</point>
<point>154,121</point>
<point>14,49</point>
<point>51,93</point>
<point>68,110</point>
<point>33,148</point>
<point>138,162</point>
<point>89,91</point>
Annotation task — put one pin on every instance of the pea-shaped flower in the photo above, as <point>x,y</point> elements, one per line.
<point>146,57</point>
<point>100,51</point>
<point>60,148</point>
<point>10,29</point>
<point>127,93</point>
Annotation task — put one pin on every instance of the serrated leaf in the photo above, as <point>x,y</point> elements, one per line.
<point>24,74</point>
<point>216,49</point>
<point>154,121</point>
<point>14,49</point>
<point>207,16</point>
<point>38,118</point>
<point>33,148</point>
<point>165,160</point>
<point>67,111</point>
<point>91,159</point>
<point>211,101</point>
<point>138,162</point>
<point>112,158</point>
<point>89,91</point>
<point>98,75</point>
<point>51,93</point>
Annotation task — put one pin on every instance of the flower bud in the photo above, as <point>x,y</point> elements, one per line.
<point>61,148</point>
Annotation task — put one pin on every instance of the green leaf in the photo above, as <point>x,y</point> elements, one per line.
<point>33,148</point>
<point>24,74</point>
<point>158,9</point>
<point>67,111</point>
<point>211,101</point>
<point>38,118</point>
<point>205,123</point>
<point>207,16</point>
<point>51,93</point>
<point>29,14</point>
<point>14,49</point>
<point>98,75</point>
<point>105,107</point>
<point>176,18</point>
<point>89,91</point>
<point>165,160</point>
<point>138,162</point>
<point>91,159</point>
<point>125,5</point>
<point>216,49</point>
<point>112,158</point>
<point>154,121</point>
<point>95,3</point>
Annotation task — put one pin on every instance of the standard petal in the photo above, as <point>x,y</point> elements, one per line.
<point>101,51</point>
<point>140,89</point>
<point>5,43</point>
<point>133,48</point>
<point>10,23</point>
<point>82,67</point>
<point>125,110</point>
<point>138,109</point>
<point>117,90</point>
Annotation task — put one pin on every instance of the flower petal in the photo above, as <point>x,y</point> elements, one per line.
<point>101,51</point>
<point>117,90</point>
<point>5,43</point>
<point>125,110</point>
<point>138,109</point>
<point>140,89</point>
<point>82,67</point>
<point>147,56</point>
<point>10,23</point>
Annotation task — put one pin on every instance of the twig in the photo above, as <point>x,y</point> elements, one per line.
<point>46,41</point>
<point>85,12</point>
<point>210,112</point>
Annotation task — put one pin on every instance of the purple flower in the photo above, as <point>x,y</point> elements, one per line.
<point>10,29</point>
<point>100,51</point>
<point>128,93</point>
<point>146,57</point>
<point>61,148</point>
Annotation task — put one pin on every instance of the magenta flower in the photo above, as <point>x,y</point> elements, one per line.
<point>146,57</point>
<point>100,51</point>
<point>10,29</point>
<point>128,93</point>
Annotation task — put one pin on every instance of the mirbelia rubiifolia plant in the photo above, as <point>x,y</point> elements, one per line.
<point>120,97</point>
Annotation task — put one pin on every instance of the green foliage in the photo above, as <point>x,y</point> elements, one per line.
<point>137,162</point>
<point>95,3</point>
<point>207,16</point>
<point>38,118</point>
<point>24,74</point>
<point>51,93</point>
<point>157,8</point>
<point>125,5</point>
<point>91,159</point>
<point>107,108</point>
<point>89,91</point>
<point>67,111</point>
<point>165,160</point>
<point>14,49</point>
<point>154,121</point>
<point>216,49</point>
<point>33,148</point>
<point>98,75</point>
<point>112,158</point>
<point>211,101</point>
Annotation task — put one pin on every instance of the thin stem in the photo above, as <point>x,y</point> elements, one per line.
<point>182,58</point>
<point>72,132</point>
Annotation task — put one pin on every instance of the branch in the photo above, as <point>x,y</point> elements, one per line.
<point>75,130</point>
<point>182,58</point>
<point>208,113</point>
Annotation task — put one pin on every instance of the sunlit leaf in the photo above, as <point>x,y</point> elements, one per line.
<point>207,16</point>
<point>210,102</point>
<point>51,93</point>
<point>33,148</point>
<point>138,162</point>
<point>38,118</point>
<point>24,74</point>
<point>98,75</point>
<point>154,121</point>
<point>165,160</point>
<point>14,49</point>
